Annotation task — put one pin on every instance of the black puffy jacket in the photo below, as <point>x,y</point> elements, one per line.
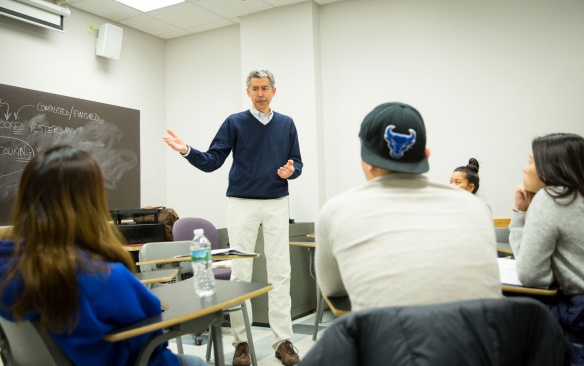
<point>513,331</point>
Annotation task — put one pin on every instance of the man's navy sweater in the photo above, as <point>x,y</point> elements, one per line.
<point>258,152</point>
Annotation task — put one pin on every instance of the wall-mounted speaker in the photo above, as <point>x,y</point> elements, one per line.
<point>109,41</point>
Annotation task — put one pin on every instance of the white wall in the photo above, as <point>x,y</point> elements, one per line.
<point>206,76</point>
<point>204,86</point>
<point>287,48</point>
<point>65,63</point>
<point>486,76</point>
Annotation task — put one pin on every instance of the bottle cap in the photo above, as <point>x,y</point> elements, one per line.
<point>199,232</point>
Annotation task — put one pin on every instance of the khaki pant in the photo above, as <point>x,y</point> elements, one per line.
<point>244,217</point>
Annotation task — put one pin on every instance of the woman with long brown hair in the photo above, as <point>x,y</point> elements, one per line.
<point>547,229</point>
<point>64,262</point>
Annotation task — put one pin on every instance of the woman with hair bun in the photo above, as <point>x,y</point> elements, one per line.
<point>467,176</point>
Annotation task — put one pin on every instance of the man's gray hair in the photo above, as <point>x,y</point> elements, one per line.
<point>261,73</point>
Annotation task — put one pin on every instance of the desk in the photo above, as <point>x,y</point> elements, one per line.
<point>339,305</point>
<point>187,258</point>
<point>311,246</point>
<point>504,248</point>
<point>133,247</point>
<point>342,305</point>
<point>529,290</point>
<point>5,231</point>
<point>501,247</point>
<point>510,281</point>
<point>163,275</point>
<point>188,313</point>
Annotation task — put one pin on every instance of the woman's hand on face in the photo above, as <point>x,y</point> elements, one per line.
<point>522,198</point>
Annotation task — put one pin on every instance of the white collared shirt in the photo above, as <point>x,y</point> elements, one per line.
<point>263,118</point>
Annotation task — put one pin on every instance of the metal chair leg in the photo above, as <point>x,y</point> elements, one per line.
<point>179,346</point>
<point>252,354</point>
<point>319,311</point>
<point>209,345</point>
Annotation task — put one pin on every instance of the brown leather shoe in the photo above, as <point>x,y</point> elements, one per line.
<point>287,353</point>
<point>241,355</point>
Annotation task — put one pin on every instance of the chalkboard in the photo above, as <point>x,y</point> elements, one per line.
<point>31,121</point>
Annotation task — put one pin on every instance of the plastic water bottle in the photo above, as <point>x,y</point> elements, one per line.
<point>201,261</point>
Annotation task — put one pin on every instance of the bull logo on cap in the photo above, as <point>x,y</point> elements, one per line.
<point>399,143</point>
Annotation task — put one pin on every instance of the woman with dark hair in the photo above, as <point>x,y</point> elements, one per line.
<point>63,261</point>
<point>467,176</point>
<point>547,228</point>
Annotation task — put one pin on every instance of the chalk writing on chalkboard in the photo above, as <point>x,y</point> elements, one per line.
<point>31,121</point>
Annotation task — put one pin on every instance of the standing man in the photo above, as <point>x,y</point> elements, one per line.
<point>266,154</point>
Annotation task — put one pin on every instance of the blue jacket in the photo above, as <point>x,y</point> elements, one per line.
<point>108,300</point>
<point>570,315</point>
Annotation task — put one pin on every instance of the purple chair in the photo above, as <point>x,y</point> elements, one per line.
<point>183,229</point>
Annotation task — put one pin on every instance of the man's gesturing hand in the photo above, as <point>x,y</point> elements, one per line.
<point>175,142</point>
<point>287,170</point>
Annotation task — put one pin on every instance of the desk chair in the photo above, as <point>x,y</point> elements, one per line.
<point>183,230</point>
<point>501,226</point>
<point>320,305</point>
<point>25,343</point>
<point>502,234</point>
<point>501,221</point>
<point>503,246</point>
<point>502,332</point>
<point>320,301</point>
<point>167,249</point>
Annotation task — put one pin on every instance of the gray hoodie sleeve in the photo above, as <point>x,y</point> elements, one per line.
<point>533,239</point>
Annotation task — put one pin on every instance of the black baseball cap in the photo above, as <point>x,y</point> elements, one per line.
<point>393,137</point>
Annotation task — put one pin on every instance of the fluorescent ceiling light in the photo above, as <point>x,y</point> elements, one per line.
<point>149,5</point>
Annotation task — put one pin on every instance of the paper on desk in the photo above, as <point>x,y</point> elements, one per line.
<point>231,251</point>
<point>222,264</point>
<point>225,251</point>
<point>508,272</point>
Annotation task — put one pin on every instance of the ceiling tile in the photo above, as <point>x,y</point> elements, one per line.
<point>175,34</point>
<point>209,26</point>
<point>232,8</point>
<point>149,25</point>
<point>108,9</point>
<point>182,19</point>
<point>277,3</point>
<point>323,2</point>
<point>185,15</point>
